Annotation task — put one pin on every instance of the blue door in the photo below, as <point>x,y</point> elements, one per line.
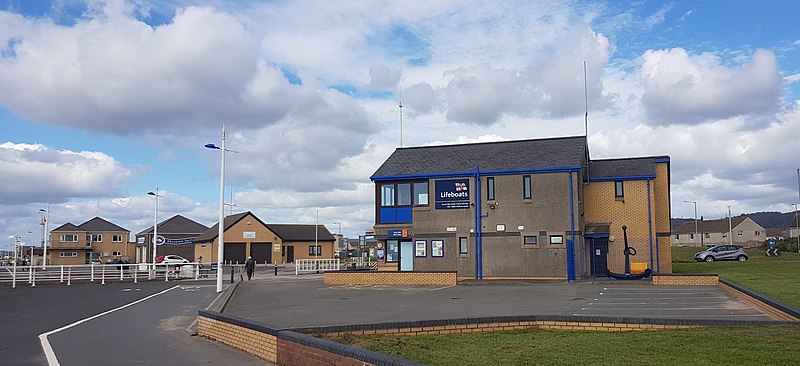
<point>599,255</point>
<point>406,256</point>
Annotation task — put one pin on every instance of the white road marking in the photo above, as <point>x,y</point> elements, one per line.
<point>48,349</point>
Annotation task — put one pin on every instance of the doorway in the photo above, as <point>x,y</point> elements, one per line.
<point>406,256</point>
<point>290,254</point>
<point>599,255</point>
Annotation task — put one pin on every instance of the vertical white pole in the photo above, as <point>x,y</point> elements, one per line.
<point>730,228</point>
<point>62,274</point>
<point>46,236</point>
<point>69,276</point>
<point>92,278</point>
<point>221,223</point>
<point>103,275</point>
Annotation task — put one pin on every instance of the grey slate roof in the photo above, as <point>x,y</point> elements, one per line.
<point>627,167</point>
<point>710,226</point>
<point>177,225</point>
<point>99,224</point>
<point>301,232</point>
<point>67,227</point>
<point>505,155</point>
<point>213,232</point>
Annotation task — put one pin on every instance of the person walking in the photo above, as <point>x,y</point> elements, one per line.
<point>250,266</point>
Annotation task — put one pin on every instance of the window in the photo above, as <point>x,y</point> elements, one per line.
<point>116,254</point>
<point>618,189</point>
<point>94,238</point>
<point>490,188</point>
<point>387,195</point>
<point>116,238</point>
<point>556,239</point>
<point>67,254</point>
<point>740,233</point>
<point>708,236</point>
<point>404,194</point>
<point>677,236</point>
<point>758,233</point>
<point>314,250</point>
<point>69,238</point>
<point>421,194</point>
<point>391,250</point>
<point>529,240</point>
<point>526,187</point>
<point>691,236</point>
<point>462,245</point>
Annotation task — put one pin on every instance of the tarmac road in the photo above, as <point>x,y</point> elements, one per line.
<point>150,332</point>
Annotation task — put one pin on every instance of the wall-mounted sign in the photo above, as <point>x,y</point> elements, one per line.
<point>452,194</point>
<point>180,241</point>
<point>421,248</point>
<point>397,233</point>
<point>437,248</point>
<point>276,247</point>
<point>249,235</point>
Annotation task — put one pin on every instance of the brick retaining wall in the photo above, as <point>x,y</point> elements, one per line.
<point>390,278</point>
<point>686,280</point>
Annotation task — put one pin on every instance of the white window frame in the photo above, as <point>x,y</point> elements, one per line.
<point>116,238</point>
<point>73,236</point>
<point>68,254</point>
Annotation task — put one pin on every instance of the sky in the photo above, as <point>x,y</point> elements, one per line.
<point>102,101</point>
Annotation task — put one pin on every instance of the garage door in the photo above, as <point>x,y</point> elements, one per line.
<point>234,252</point>
<point>261,252</point>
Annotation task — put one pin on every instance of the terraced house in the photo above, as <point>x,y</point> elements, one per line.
<point>95,240</point>
<point>537,208</point>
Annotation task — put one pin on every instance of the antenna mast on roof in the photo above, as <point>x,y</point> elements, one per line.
<point>586,101</point>
<point>401,114</point>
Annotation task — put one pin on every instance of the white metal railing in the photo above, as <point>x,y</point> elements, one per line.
<point>101,273</point>
<point>315,265</point>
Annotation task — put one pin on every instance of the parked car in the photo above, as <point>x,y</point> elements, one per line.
<point>171,259</point>
<point>721,253</point>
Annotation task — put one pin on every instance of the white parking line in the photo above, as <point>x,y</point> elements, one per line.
<point>48,349</point>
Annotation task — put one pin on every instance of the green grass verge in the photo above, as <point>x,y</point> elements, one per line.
<point>761,345</point>
<point>776,277</point>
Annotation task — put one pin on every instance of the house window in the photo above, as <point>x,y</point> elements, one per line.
<point>691,236</point>
<point>387,195</point>
<point>740,233</point>
<point>68,254</point>
<point>529,240</point>
<point>116,254</point>
<point>462,245</point>
<point>526,187</point>
<point>708,236</point>
<point>677,236</point>
<point>94,238</point>
<point>556,239</point>
<point>404,194</point>
<point>314,250</point>
<point>116,238</point>
<point>391,250</point>
<point>490,188</point>
<point>758,233</point>
<point>618,189</point>
<point>69,238</point>
<point>421,194</point>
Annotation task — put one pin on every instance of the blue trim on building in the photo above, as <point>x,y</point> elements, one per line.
<point>650,224</point>
<point>469,174</point>
<point>623,177</point>
<point>571,242</point>
<point>662,160</point>
<point>593,236</point>
<point>478,224</point>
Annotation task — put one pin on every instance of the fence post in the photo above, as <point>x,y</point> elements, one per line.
<point>62,274</point>
<point>296,267</point>
<point>92,278</point>
<point>197,272</point>
<point>33,276</point>
<point>69,276</point>
<point>103,275</point>
<point>136,274</point>
<point>121,272</point>
<point>166,273</point>
<point>14,276</point>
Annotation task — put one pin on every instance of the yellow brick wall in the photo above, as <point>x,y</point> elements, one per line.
<point>251,341</point>
<point>391,278</point>
<point>686,280</point>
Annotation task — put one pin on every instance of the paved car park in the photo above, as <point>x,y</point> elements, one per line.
<point>304,301</point>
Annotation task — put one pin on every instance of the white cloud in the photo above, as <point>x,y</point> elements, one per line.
<point>685,89</point>
<point>36,173</point>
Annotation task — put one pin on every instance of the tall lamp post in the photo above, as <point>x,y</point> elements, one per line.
<point>221,224</point>
<point>695,218</point>
<point>730,228</point>
<point>155,224</point>
<point>797,225</point>
<point>45,235</point>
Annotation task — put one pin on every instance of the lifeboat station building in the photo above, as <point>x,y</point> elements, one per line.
<point>525,209</point>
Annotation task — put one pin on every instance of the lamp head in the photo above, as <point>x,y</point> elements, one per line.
<point>151,193</point>
<point>212,146</point>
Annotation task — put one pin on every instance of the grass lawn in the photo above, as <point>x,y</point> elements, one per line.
<point>762,345</point>
<point>776,277</point>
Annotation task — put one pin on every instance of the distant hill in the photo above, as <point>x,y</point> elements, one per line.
<point>765,219</point>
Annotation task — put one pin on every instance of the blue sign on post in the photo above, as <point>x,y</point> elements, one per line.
<point>452,194</point>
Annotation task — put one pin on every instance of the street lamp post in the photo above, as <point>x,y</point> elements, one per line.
<point>221,224</point>
<point>695,218</point>
<point>155,224</point>
<point>730,228</point>
<point>44,234</point>
<point>797,225</point>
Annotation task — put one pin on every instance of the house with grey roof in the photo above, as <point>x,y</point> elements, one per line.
<point>537,208</point>
<point>247,236</point>
<point>739,230</point>
<point>96,240</point>
<point>176,236</point>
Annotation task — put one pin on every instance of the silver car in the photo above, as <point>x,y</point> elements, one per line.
<point>722,253</point>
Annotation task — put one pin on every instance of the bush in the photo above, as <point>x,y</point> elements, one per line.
<point>785,245</point>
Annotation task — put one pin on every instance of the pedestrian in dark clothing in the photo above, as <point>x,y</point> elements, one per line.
<point>250,266</point>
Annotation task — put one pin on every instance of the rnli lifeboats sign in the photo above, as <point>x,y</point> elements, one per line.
<point>452,194</point>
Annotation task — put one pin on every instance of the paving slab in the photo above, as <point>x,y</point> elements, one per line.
<point>305,301</point>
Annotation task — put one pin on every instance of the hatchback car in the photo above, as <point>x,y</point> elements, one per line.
<point>171,259</point>
<point>721,253</point>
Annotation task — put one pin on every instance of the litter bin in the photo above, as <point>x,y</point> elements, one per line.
<point>186,271</point>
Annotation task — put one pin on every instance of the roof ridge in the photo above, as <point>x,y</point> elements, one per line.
<point>491,142</point>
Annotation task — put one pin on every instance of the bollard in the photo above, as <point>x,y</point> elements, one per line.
<point>276,269</point>
<point>135,273</point>
<point>33,277</point>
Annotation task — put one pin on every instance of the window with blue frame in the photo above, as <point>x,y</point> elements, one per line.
<point>398,198</point>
